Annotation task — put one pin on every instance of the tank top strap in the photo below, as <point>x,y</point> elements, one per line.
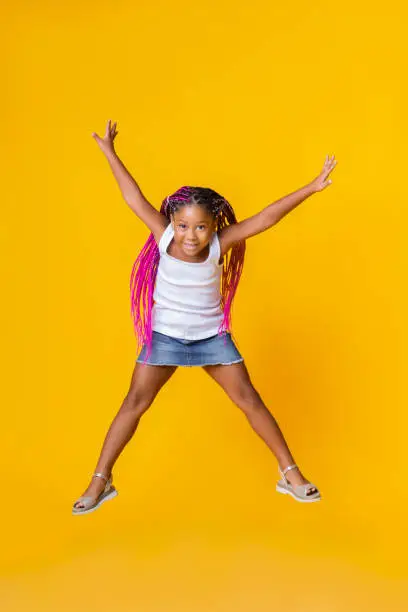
<point>166,238</point>
<point>215,248</point>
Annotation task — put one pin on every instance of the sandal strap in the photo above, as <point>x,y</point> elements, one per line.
<point>100,475</point>
<point>290,467</point>
<point>304,490</point>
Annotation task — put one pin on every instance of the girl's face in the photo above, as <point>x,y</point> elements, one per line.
<point>193,227</point>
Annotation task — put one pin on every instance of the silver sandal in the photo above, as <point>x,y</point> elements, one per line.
<point>299,492</point>
<point>90,503</point>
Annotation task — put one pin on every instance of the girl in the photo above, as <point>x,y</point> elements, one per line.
<point>182,319</point>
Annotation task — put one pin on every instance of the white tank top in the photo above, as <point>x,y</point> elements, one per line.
<point>187,295</point>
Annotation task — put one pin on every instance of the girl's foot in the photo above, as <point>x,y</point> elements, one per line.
<point>95,488</point>
<point>295,477</point>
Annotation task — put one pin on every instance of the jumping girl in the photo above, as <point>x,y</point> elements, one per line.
<point>181,318</point>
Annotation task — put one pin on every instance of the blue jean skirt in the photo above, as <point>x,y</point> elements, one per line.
<point>166,350</point>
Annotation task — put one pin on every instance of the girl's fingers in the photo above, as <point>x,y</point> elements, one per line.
<point>329,171</point>
<point>112,131</point>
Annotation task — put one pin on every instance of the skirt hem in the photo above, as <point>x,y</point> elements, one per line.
<point>188,365</point>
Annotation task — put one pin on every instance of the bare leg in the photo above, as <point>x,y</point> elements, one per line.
<point>145,384</point>
<point>235,381</point>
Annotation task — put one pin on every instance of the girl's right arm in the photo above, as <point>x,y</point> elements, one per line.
<point>154,219</point>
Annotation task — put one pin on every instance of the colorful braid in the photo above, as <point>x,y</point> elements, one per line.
<point>144,271</point>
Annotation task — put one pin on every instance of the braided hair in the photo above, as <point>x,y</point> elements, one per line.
<point>144,269</point>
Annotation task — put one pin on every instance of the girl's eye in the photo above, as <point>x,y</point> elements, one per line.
<point>183,226</point>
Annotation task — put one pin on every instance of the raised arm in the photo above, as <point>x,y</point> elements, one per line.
<point>130,190</point>
<point>273,213</point>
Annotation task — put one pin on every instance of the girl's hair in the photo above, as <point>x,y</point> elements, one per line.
<point>144,269</point>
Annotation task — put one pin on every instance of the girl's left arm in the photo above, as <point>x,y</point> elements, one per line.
<point>273,213</point>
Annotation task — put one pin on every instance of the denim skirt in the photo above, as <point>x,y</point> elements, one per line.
<point>166,350</point>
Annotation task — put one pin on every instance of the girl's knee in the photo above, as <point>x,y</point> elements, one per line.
<point>248,399</point>
<point>137,402</point>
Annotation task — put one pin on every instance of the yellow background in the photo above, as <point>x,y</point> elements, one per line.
<point>246,98</point>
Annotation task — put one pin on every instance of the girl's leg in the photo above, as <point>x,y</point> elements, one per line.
<point>146,382</point>
<point>235,381</point>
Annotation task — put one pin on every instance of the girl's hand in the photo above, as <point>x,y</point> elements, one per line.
<point>106,143</point>
<point>321,182</point>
